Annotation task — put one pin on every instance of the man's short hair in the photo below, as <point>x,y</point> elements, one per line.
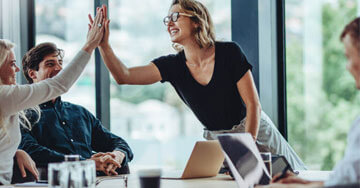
<point>352,29</point>
<point>35,55</point>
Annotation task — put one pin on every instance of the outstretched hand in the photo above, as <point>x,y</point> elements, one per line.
<point>96,31</point>
<point>105,40</point>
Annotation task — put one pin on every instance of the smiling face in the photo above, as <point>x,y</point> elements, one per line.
<point>8,70</point>
<point>352,53</point>
<point>181,30</point>
<point>49,67</point>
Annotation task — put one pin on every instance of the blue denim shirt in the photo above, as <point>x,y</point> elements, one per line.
<point>66,128</point>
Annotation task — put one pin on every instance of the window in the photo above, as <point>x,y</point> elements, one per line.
<point>153,119</point>
<point>322,100</point>
<point>65,24</point>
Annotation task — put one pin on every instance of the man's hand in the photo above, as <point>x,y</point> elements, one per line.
<point>118,157</point>
<point>106,162</point>
<point>25,162</point>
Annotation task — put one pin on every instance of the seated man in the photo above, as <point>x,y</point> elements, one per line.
<point>65,128</point>
<point>347,171</point>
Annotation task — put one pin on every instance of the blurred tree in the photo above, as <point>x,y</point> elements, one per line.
<point>322,142</point>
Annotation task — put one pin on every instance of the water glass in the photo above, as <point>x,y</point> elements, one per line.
<point>75,174</point>
<point>58,175</point>
<point>88,173</point>
<point>72,157</point>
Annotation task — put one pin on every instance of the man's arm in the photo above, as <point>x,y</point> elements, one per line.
<point>39,153</point>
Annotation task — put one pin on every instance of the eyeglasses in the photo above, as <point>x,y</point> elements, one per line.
<point>174,17</point>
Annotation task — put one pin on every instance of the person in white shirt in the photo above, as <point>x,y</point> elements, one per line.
<point>14,99</point>
<point>346,171</point>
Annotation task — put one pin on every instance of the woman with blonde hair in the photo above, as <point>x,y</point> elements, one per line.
<point>213,78</point>
<point>14,99</point>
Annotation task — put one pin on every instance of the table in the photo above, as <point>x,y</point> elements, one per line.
<point>220,181</point>
<point>314,175</point>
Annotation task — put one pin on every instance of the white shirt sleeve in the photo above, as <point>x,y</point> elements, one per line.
<point>14,98</point>
<point>348,169</point>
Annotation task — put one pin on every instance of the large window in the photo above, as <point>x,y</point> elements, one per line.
<point>160,129</point>
<point>322,100</point>
<point>64,22</point>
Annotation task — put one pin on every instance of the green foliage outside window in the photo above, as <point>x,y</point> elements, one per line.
<point>322,142</point>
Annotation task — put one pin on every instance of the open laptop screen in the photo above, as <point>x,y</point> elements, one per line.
<point>244,159</point>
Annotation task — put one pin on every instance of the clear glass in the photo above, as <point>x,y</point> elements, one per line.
<point>88,173</point>
<point>78,174</point>
<point>58,175</point>
<point>72,157</point>
<point>75,174</point>
<point>322,100</point>
<point>64,22</point>
<point>152,118</point>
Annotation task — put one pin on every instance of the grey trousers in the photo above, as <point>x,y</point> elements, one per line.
<point>269,139</point>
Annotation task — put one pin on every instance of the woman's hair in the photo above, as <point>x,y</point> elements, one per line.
<point>353,29</point>
<point>205,33</point>
<point>5,49</point>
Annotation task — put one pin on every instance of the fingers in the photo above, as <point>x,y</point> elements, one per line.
<point>34,171</point>
<point>90,19</point>
<point>111,169</point>
<point>105,11</point>
<point>105,158</point>
<point>113,172</point>
<point>111,154</point>
<point>98,154</point>
<point>99,15</point>
<point>109,159</point>
<point>107,23</point>
<point>22,170</point>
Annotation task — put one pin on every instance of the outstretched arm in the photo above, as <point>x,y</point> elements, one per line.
<point>141,75</point>
<point>15,98</point>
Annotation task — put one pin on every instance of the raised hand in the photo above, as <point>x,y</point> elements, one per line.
<point>96,31</point>
<point>105,40</point>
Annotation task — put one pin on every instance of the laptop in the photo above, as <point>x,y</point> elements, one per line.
<point>205,161</point>
<point>244,160</point>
